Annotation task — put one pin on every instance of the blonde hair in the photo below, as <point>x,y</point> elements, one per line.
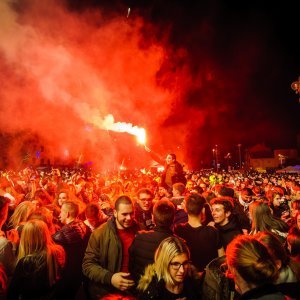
<point>252,260</point>
<point>166,251</point>
<point>36,240</point>
<point>21,213</point>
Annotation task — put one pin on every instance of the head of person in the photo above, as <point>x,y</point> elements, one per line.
<point>63,196</point>
<point>250,263</point>
<point>172,260</point>
<point>170,158</point>
<point>145,199</point>
<point>123,212</point>
<point>277,199</point>
<point>69,212</point>
<point>92,214</point>
<point>222,209</point>
<point>293,244</point>
<point>162,191</point>
<point>4,203</point>
<point>275,248</point>
<point>189,185</point>
<point>35,238</point>
<point>295,208</point>
<point>163,213</point>
<point>178,189</point>
<point>260,214</point>
<point>21,213</point>
<point>246,194</point>
<point>194,204</point>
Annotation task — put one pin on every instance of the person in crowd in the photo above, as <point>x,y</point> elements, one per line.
<point>145,243</point>
<point>3,282</point>
<point>39,264</point>
<point>288,280</point>
<point>143,209</point>
<point>171,276</point>
<point>106,259</point>
<point>252,268</point>
<point>293,246</point>
<point>173,170</point>
<point>178,192</point>
<point>295,208</point>
<point>196,235</point>
<point>224,219</point>
<point>279,205</point>
<point>73,237</point>
<point>20,215</point>
<point>161,193</point>
<point>46,215</point>
<point>7,248</point>
<point>263,220</point>
<point>93,216</point>
<point>296,227</point>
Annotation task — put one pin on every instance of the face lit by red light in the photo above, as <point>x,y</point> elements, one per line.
<point>124,216</point>
<point>145,201</point>
<point>169,159</point>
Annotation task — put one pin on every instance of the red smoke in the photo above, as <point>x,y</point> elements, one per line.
<point>63,72</point>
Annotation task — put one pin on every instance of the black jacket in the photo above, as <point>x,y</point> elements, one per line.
<point>73,237</point>
<point>229,231</point>
<point>157,290</point>
<point>142,249</point>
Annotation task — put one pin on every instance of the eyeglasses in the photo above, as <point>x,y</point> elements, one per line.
<point>146,199</point>
<point>176,265</point>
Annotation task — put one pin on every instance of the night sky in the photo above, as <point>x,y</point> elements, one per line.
<point>228,66</point>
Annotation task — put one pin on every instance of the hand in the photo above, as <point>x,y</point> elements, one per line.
<point>120,281</point>
<point>212,224</point>
<point>104,205</point>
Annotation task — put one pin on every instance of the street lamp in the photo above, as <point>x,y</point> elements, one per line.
<point>296,86</point>
<point>240,155</point>
<point>217,164</point>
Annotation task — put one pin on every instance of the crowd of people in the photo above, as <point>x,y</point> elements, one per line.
<point>70,233</point>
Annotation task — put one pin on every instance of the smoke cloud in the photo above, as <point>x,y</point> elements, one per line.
<point>64,72</point>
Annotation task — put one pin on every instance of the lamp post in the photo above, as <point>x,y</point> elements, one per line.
<point>296,86</point>
<point>217,163</point>
<point>240,155</point>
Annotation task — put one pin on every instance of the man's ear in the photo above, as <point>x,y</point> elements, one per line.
<point>227,214</point>
<point>115,213</point>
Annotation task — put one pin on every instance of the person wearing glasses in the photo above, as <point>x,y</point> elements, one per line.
<point>143,209</point>
<point>172,275</point>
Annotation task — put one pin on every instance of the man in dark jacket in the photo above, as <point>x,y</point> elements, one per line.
<point>143,209</point>
<point>73,237</point>
<point>224,219</point>
<point>144,245</point>
<point>105,263</point>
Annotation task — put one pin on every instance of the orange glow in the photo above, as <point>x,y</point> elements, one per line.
<point>139,132</point>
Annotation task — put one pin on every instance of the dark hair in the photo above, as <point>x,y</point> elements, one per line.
<point>194,204</point>
<point>173,156</point>
<point>227,203</point>
<point>163,213</point>
<point>122,200</point>
<point>92,210</point>
<point>294,241</point>
<point>145,191</point>
<point>247,191</point>
<point>179,186</point>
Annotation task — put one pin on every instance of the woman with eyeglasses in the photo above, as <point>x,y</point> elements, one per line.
<point>171,276</point>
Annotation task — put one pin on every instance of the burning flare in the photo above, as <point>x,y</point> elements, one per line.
<point>140,133</point>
